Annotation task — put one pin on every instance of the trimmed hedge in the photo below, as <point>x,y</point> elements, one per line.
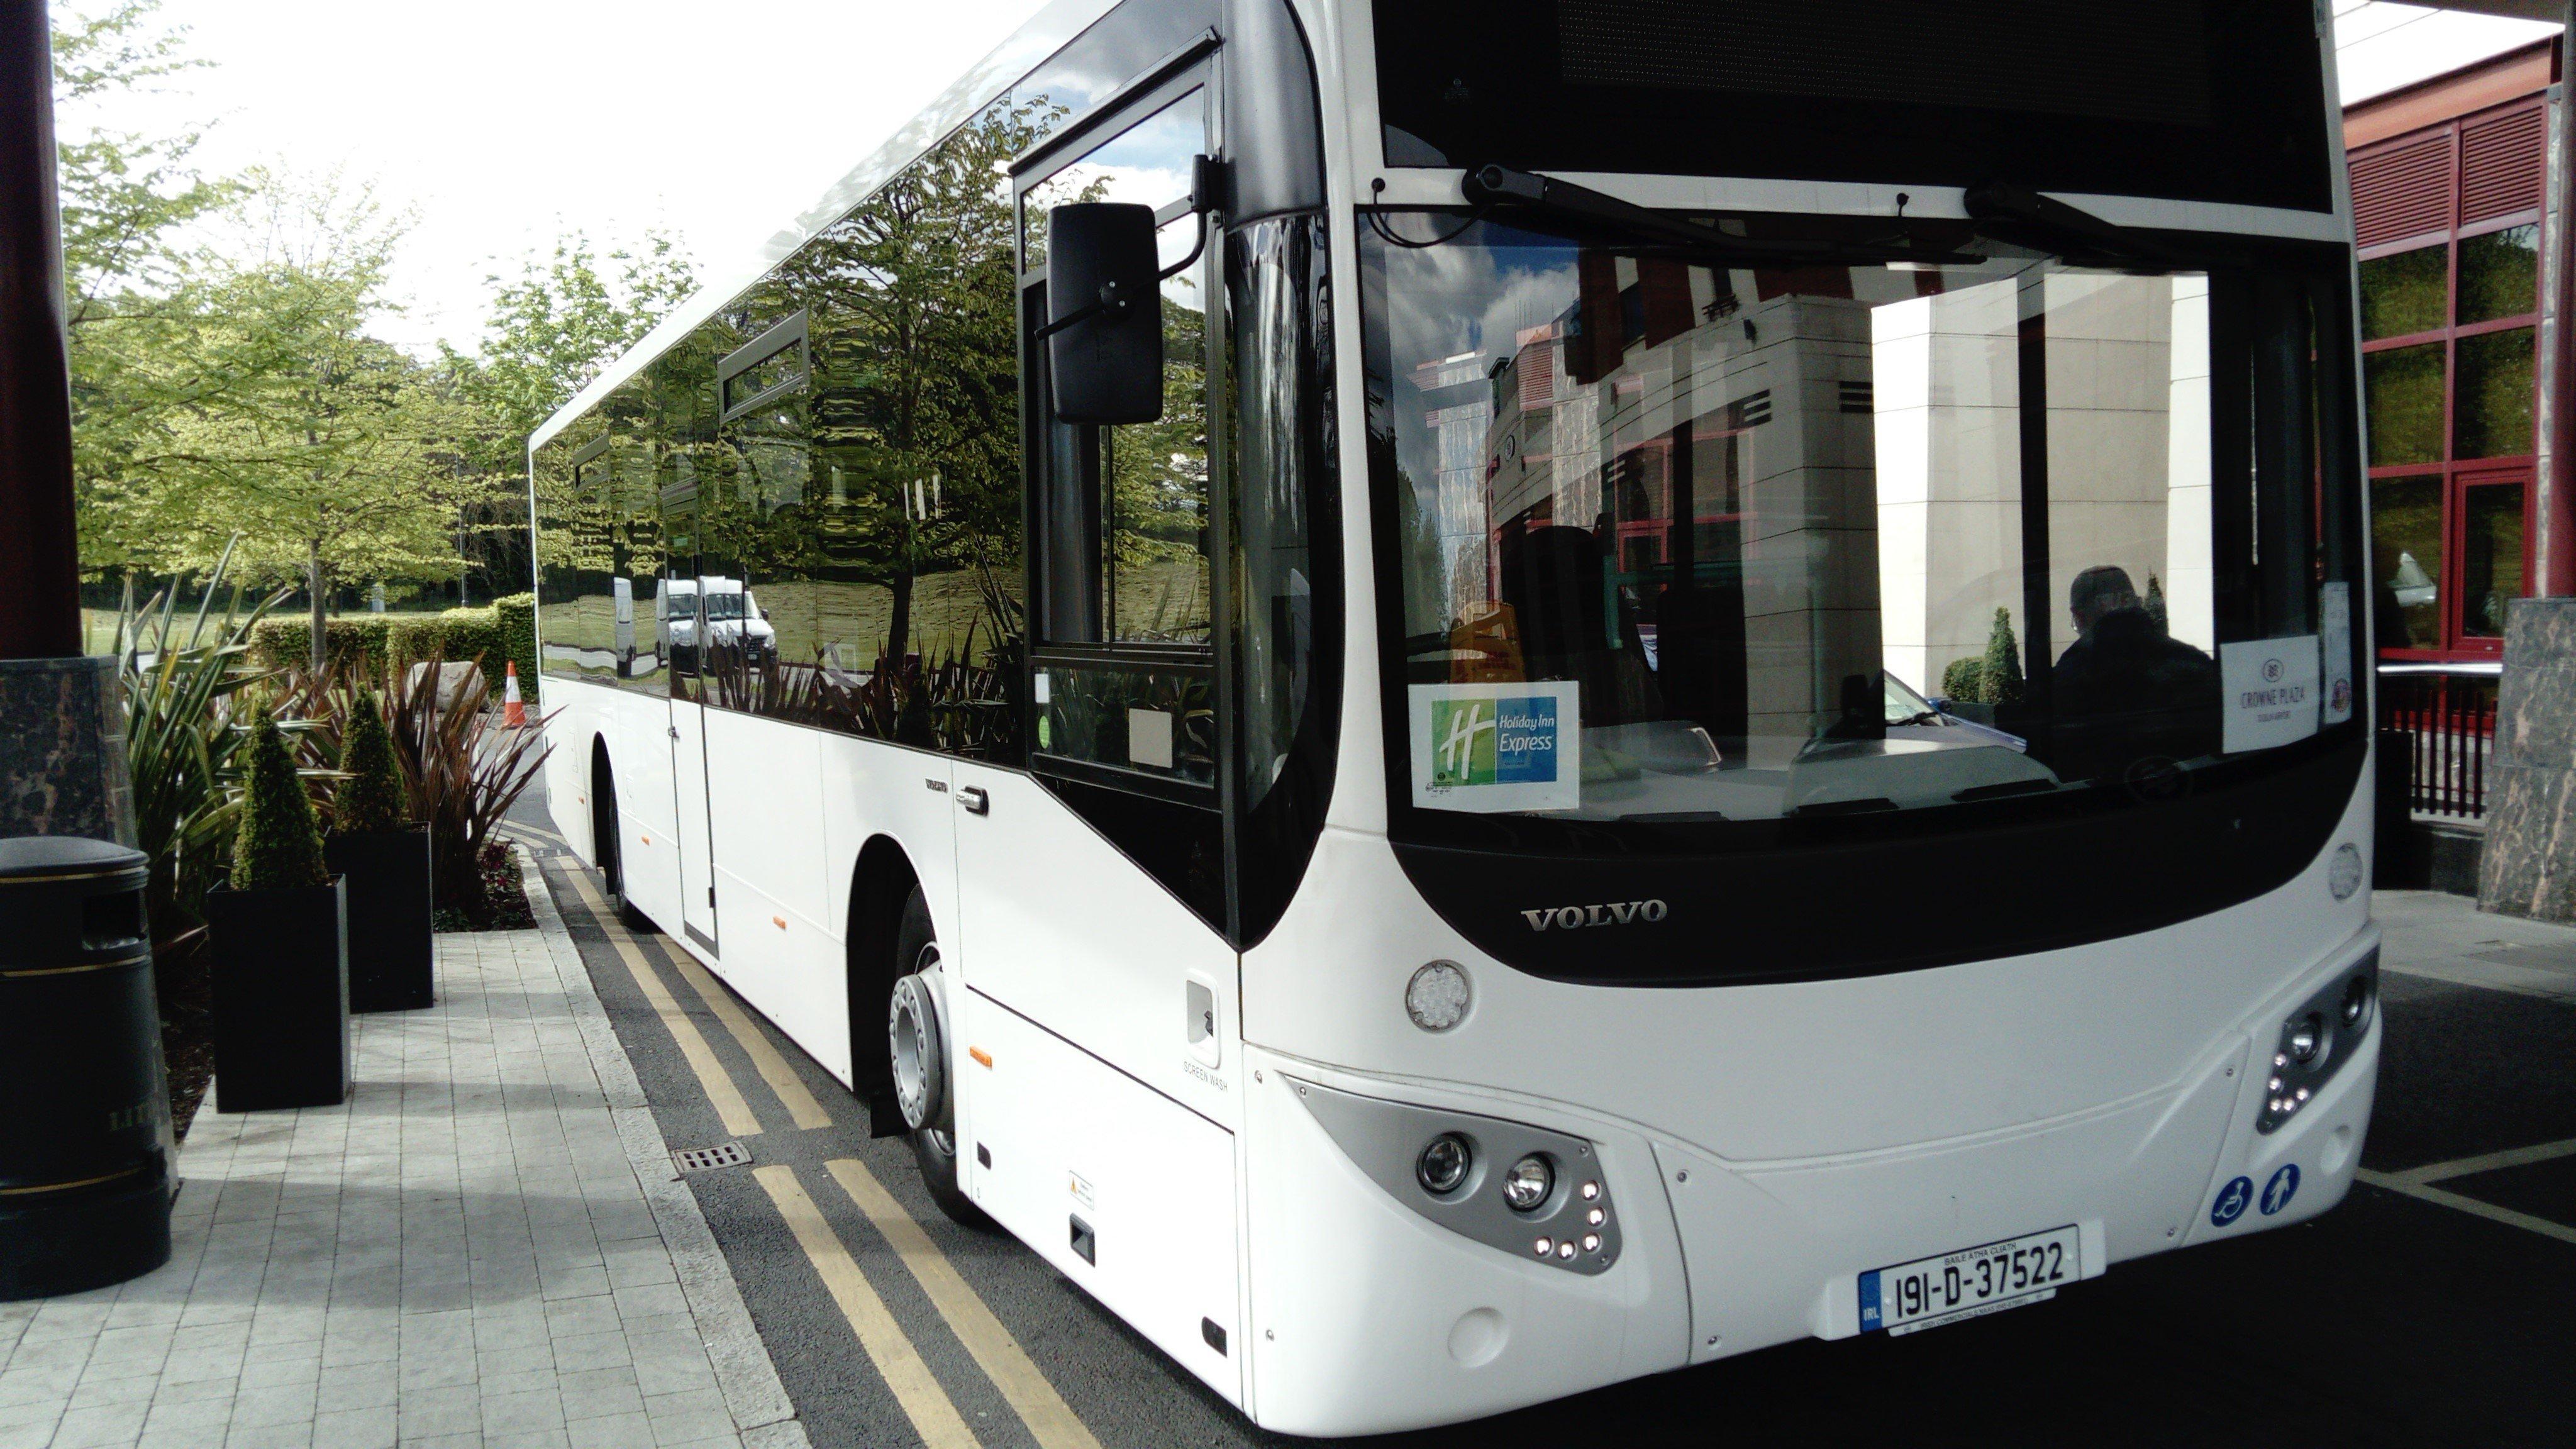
<point>287,642</point>
<point>518,618</point>
<point>505,630</point>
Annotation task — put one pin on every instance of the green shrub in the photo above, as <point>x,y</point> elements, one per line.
<point>2000,671</point>
<point>278,848</point>
<point>458,636</point>
<point>373,799</point>
<point>518,619</point>
<point>1964,681</point>
<point>359,642</point>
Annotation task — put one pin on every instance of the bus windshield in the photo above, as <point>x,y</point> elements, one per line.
<point>1679,543</point>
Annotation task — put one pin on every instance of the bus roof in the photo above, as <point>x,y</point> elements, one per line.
<point>1044,34</point>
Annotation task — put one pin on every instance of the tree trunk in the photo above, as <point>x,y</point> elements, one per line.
<point>313,583</point>
<point>899,628</point>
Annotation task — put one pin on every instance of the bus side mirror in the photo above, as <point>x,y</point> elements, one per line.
<point>1104,329</point>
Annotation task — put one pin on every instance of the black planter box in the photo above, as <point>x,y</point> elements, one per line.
<point>281,987</point>
<point>387,875</point>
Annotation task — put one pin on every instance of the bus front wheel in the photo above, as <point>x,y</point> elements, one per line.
<point>917,1041</point>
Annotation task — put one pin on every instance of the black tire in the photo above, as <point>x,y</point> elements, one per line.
<point>604,842</point>
<point>916,946</point>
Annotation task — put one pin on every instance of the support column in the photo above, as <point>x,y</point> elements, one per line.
<point>2554,507</point>
<point>62,720</point>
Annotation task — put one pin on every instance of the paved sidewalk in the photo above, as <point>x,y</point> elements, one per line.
<point>2447,938</point>
<point>486,1246</point>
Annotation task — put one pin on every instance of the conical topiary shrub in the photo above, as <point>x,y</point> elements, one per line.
<point>382,856</point>
<point>372,800</point>
<point>281,948</point>
<point>2000,677</point>
<point>279,847</point>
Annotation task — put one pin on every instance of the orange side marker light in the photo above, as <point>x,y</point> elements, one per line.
<point>981,1055</point>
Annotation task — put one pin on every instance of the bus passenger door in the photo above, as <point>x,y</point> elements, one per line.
<point>679,625</point>
<point>1097,1097</point>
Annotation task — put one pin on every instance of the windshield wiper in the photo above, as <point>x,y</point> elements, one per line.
<point>2025,215</point>
<point>1527,190</point>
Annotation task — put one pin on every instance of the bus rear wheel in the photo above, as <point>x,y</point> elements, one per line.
<point>605,846</point>
<point>917,1042</point>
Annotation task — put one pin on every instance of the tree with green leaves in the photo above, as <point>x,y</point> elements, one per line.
<point>552,325</point>
<point>127,202</point>
<point>332,455</point>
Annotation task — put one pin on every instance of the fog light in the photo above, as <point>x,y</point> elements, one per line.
<point>2356,1001</point>
<point>2306,1035</point>
<point>1529,1182</point>
<point>1437,996</point>
<point>1444,1164</point>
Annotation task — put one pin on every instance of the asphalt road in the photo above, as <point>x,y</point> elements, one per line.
<point>2418,1312</point>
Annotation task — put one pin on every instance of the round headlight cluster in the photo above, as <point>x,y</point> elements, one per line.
<point>1443,1164</point>
<point>1527,1185</point>
<point>2307,1034</point>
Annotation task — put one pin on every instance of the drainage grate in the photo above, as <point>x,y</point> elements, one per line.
<point>699,1159</point>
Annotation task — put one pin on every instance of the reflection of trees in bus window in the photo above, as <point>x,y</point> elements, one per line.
<point>878,518</point>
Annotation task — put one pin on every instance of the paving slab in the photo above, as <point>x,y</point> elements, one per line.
<point>479,1247</point>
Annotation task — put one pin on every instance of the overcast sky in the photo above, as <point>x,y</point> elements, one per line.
<point>503,123</point>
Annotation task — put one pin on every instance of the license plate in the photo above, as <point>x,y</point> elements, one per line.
<point>1969,1283</point>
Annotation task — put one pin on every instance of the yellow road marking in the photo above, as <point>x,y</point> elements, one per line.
<point>1051,1421</point>
<point>933,1416</point>
<point>730,1107</point>
<point>774,1070</point>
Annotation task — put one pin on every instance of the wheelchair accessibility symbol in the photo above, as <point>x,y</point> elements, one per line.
<point>2233,1199</point>
<point>2278,1192</point>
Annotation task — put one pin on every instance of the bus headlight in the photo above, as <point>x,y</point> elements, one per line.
<point>2306,1034</point>
<point>1527,1185</point>
<point>1443,1165</point>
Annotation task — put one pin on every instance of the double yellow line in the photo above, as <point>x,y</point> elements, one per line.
<point>934,1415</point>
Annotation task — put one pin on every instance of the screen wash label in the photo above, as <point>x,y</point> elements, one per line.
<point>1491,747</point>
<point>2269,692</point>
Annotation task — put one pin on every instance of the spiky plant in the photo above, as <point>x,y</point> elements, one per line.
<point>278,848</point>
<point>372,799</point>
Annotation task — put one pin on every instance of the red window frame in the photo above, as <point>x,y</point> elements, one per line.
<point>2458,474</point>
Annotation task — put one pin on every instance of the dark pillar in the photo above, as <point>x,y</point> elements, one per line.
<point>39,547</point>
<point>62,722</point>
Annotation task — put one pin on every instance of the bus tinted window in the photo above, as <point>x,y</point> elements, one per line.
<point>1683,544</point>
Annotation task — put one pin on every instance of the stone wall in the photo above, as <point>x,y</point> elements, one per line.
<point>62,750</point>
<point>2530,864</point>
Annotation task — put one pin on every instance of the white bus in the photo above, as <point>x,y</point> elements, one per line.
<point>1469,700</point>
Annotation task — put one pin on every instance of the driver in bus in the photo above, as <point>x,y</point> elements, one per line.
<point>2126,691</point>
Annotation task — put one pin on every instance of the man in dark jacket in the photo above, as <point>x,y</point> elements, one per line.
<point>2126,693</point>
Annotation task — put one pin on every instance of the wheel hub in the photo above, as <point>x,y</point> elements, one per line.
<point>919,1054</point>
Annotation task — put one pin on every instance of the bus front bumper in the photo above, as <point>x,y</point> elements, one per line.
<point>1368,1318</point>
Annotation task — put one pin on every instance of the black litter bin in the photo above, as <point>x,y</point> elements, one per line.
<point>84,1121</point>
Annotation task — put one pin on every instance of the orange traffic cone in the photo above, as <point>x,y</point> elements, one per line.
<point>513,713</point>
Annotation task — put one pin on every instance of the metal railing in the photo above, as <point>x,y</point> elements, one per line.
<point>2449,716</point>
